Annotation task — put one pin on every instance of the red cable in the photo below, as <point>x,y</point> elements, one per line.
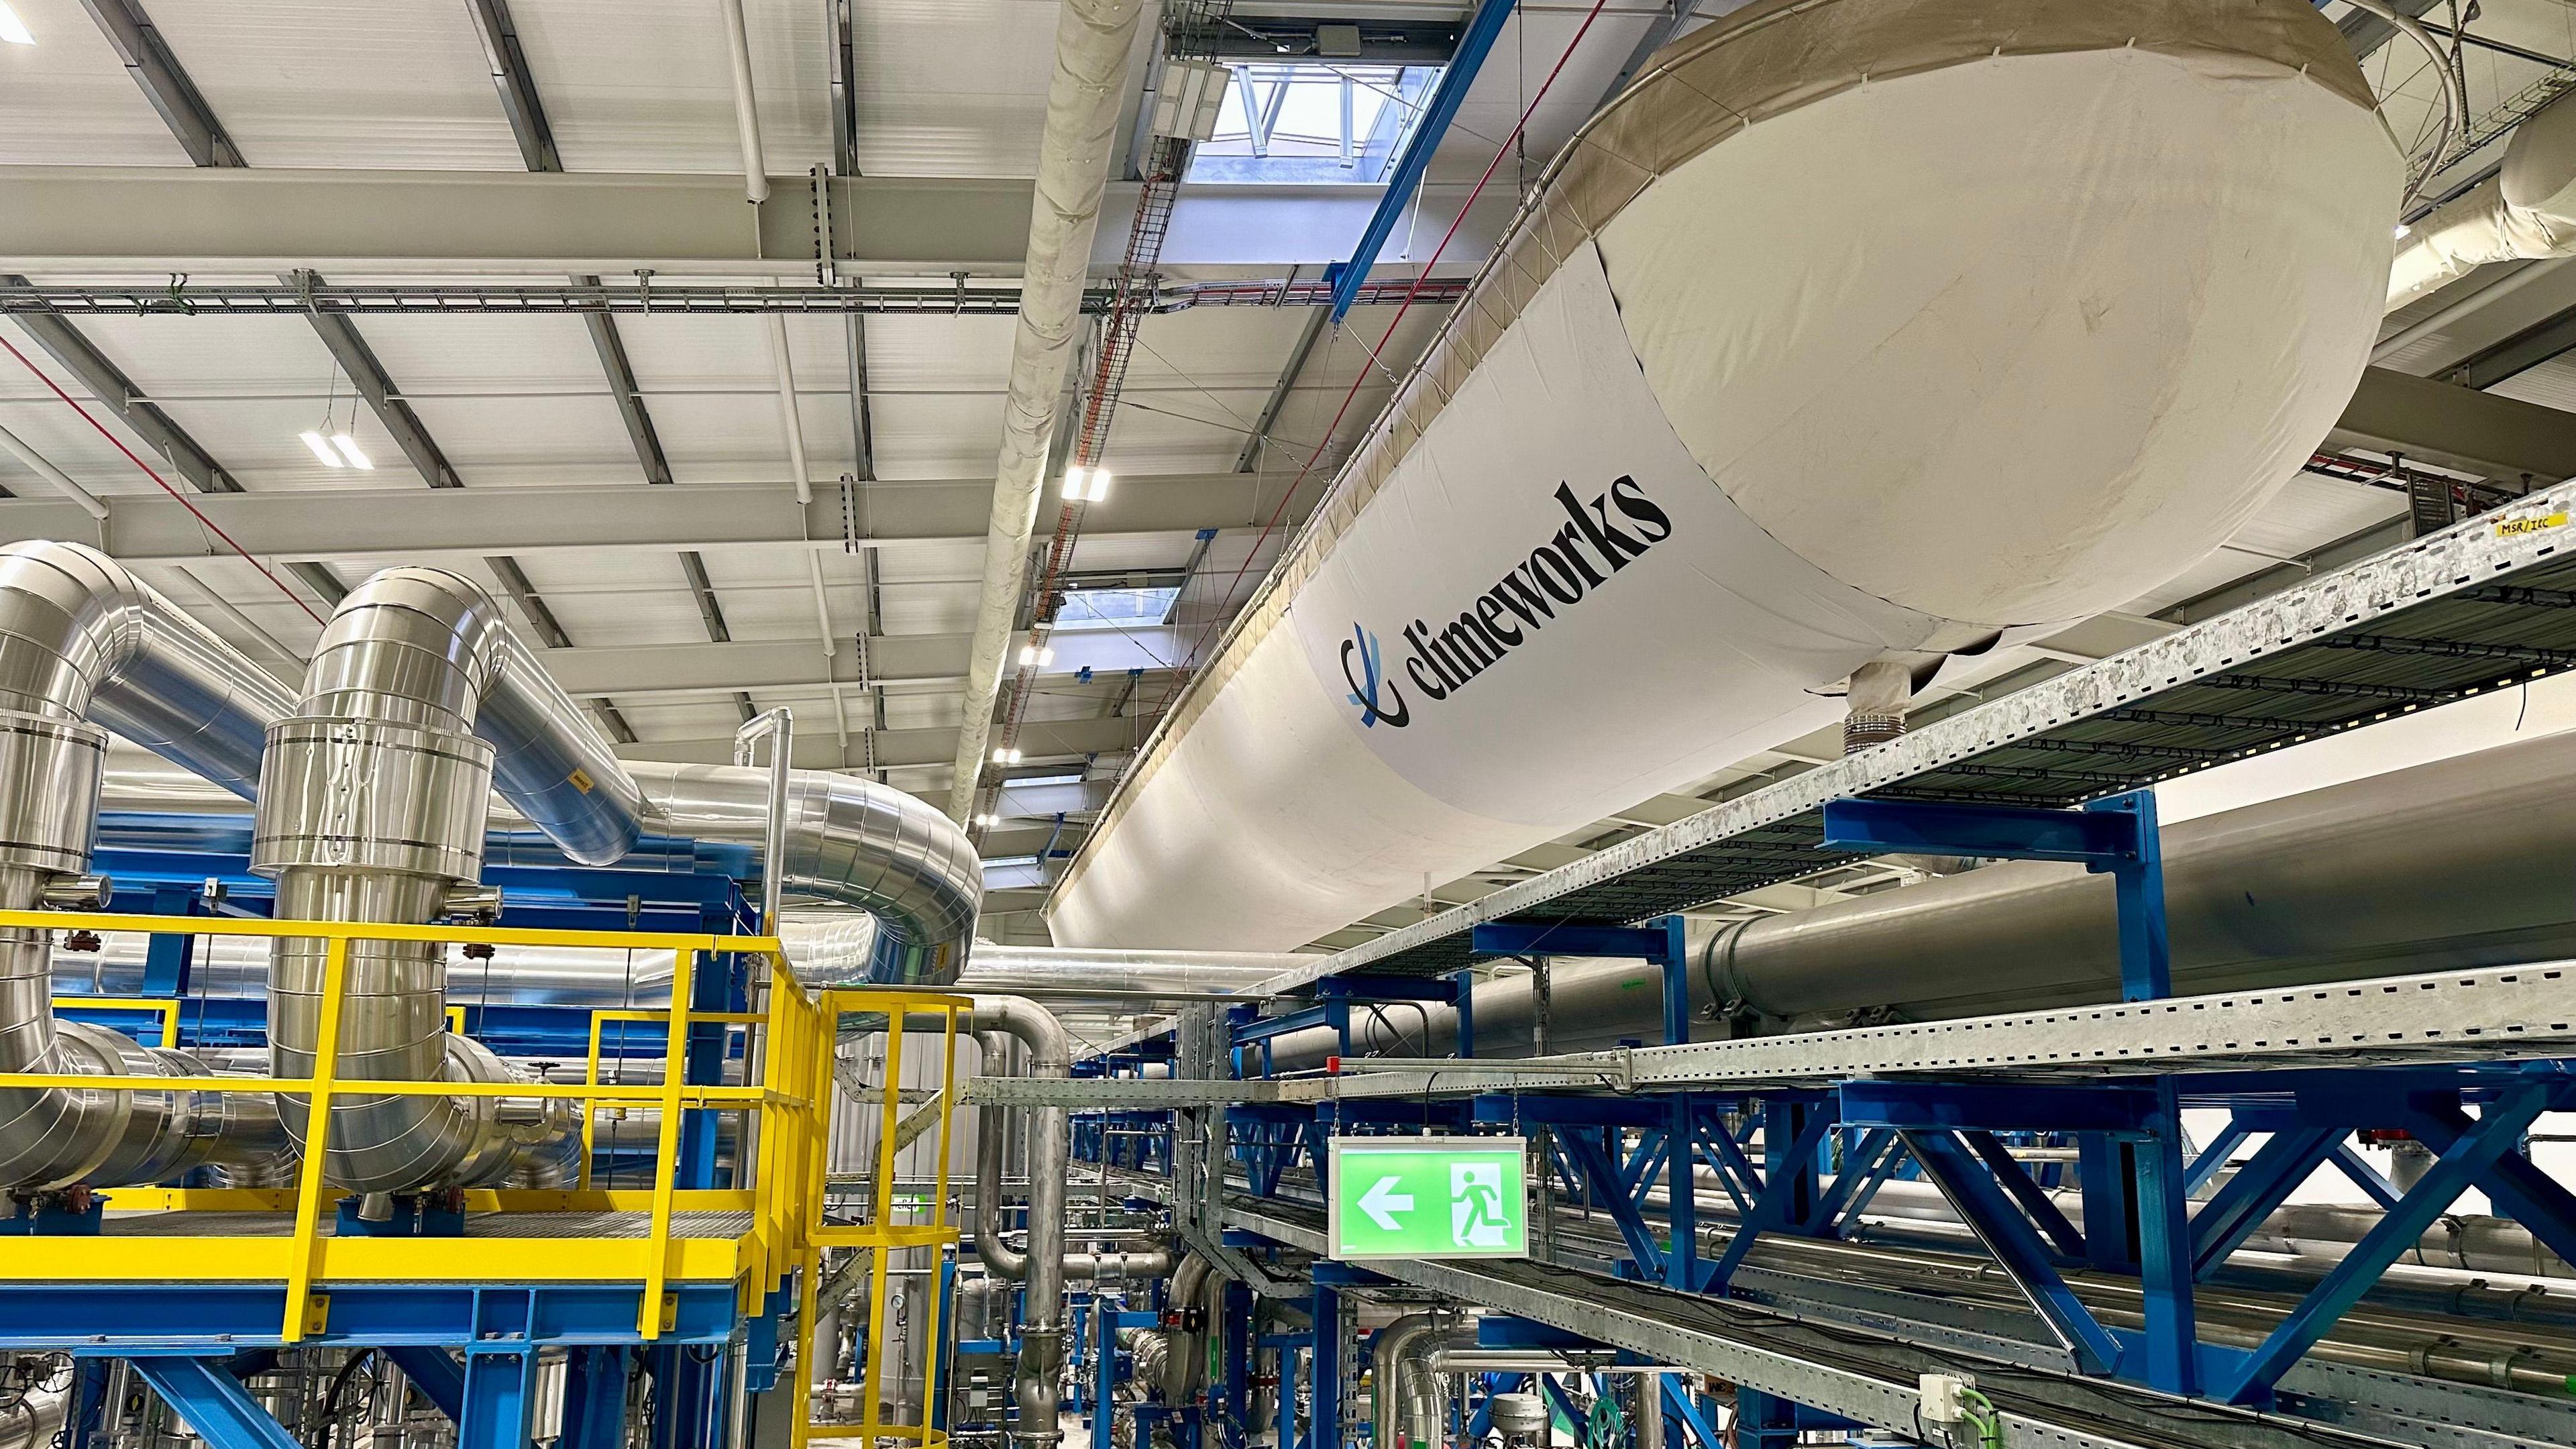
<point>1410,292</point>
<point>211,525</point>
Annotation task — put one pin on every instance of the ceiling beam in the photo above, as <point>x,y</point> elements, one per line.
<point>108,385</point>
<point>800,663</point>
<point>898,749</point>
<point>164,82</point>
<point>494,27</point>
<point>391,223</point>
<point>2452,426</point>
<point>415,524</point>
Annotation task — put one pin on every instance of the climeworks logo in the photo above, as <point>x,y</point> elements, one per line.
<point>1559,574</point>
<point>1376,696</point>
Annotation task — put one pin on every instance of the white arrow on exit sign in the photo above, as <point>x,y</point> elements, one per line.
<point>1382,1205</point>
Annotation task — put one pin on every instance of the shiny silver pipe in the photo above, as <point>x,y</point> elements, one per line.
<point>1406,1404</point>
<point>1042,1266</point>
<point>1013,968</point>
<point>1187,1348</point>
<point>850,842</point>
<point>2434,867</point>
<point>372,807</point>
<point>1523,1361</point>
<point>85,643</point>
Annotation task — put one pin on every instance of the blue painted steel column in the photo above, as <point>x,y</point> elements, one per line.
<point>1324,1391</point>
<point>1235,1419</point>
<point>1104,1371</point>
<point>2164,1249</point>
<point>1763,1422</point>
<point>1681,1196</point>
<point>500,1400</point>
<point>1676,964</point>
<point>1406,175</point>
<point>594,1410</point>
<point>2138,884</point>
<point>213,1403</point>
<point>1465,982</point>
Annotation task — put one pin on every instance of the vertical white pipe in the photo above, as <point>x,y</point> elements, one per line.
<point>746,110</point>
<point>1093,43</point>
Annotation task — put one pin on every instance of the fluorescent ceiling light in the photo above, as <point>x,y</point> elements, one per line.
<point>1036,654</point>
<point>988,819</point>
<point>322,449</point>
<point>348,447</point>
<point>1006,757</point>
<point>12,29</point>
<point>1083,485</point>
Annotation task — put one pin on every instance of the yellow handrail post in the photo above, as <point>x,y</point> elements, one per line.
<point>317,1139</point>
<point>657,1247</point>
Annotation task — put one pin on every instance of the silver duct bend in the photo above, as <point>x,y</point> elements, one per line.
<point>850,842</point>
<point>84,643</point>
<point>1042,1267</point>
<point>1406,1405</point>
<point>418,703</point>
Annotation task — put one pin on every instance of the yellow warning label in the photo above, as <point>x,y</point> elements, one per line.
<point>2538,523</point>
<point>581,779</point>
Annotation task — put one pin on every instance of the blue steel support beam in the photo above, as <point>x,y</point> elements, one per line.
<point>2015,1245</point>
<point>2517,1188</point>
<point>435,1373</point>
<point>1697,1427</point>
<point>213,1403</point>
<point>1681,1195</point>
<point>2015,1179</point>
<point>2364,1176</point>
<point>1406,175</point>
<point>2117,835</point>
<point>2214,1156</point>
<point>2261,1185</point>
<point>2465,1160</point>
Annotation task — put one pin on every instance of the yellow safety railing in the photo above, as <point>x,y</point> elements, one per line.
<point>164,1007</point>
<point>881,1236</point>
<point>307,1260</point>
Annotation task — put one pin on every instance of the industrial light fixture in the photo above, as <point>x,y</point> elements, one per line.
<point>1006,756</point>
<point>348,447</point>
<point>2402,230</point>
<point>322,449</point>
<point>1036,654</point>
<point>1086,485</point>
<point>12,29</point>
<point>988,819</point>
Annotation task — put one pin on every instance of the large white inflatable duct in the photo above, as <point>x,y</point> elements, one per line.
<point>2526,211</point>
<point>1855,330</point>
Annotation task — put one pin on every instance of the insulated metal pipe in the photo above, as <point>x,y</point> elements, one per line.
<point>85,643</point>
<point>1042,1266</point>
<point>372,809</point>
<point>2455,863</point>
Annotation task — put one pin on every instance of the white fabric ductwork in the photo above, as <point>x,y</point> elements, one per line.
<point>1093,41</point>
<point>1855,330</point>
<point>2526,211</point>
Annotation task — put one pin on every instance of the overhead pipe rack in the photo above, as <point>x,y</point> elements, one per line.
<point>1799,1132</point>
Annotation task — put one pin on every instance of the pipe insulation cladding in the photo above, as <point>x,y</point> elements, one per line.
<point>1853,332</point>
<point>2456,863</point>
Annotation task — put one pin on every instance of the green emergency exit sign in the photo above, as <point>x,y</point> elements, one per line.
<point>1428,1197</point>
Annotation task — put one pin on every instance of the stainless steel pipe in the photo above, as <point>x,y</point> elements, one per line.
<point>1042,1266</point>
<point>371,809</point>
<point>85,643</point>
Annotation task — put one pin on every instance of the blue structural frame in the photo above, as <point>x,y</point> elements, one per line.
<point>1806,1160</point>
<point>1483,28</point>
